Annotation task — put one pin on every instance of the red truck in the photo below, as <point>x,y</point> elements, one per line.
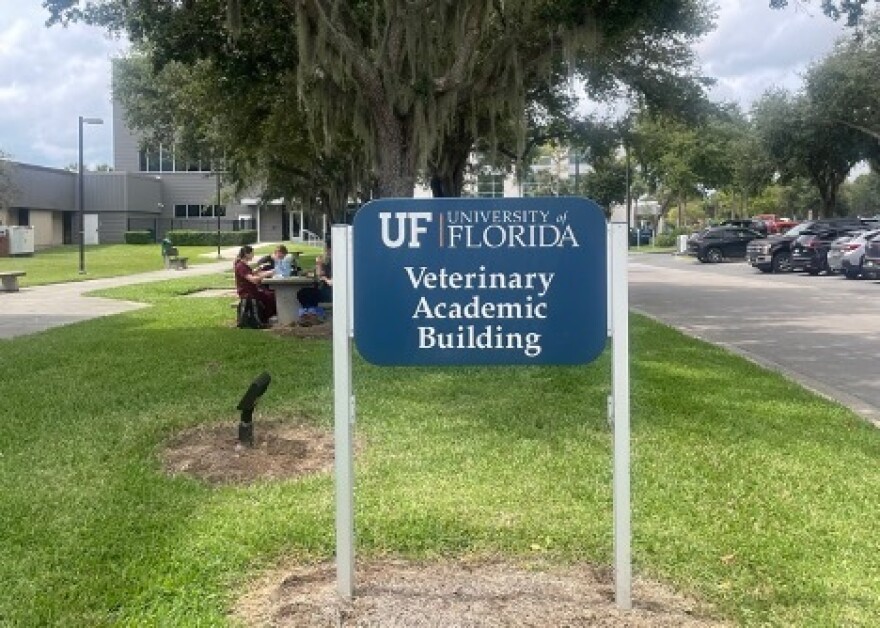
<point>774,223</point>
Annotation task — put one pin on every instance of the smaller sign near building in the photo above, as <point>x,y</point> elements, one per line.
<point>480,281</point>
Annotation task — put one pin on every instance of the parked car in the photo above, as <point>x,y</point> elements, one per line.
<point>847,253</point>
<point>809,251</point>
<point>871,260</point>
<point>640,237</point>
<point>718,243</point>
<point>773,254</point>
<point>749,223</point>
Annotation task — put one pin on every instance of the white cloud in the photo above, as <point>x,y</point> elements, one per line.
<point>49,76</point>
<point>755,48</point>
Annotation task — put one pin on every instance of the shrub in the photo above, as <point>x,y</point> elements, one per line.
<point>664,239</point>
<point>670,238</point>
<point>182,237</point>
<point>140,237</point>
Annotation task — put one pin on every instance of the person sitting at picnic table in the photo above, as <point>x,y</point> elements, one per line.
<point>248,280</point>
<point>310,298</point>
<point>324,273</point>
<point>284,263</point>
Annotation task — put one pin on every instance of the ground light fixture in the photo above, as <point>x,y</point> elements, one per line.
<point>80,196</point>
<point>247,405</point>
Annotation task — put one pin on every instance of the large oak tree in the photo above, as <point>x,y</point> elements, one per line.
<point>406,76</point>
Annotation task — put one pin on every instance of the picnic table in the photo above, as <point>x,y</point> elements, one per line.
<point>285,295</point>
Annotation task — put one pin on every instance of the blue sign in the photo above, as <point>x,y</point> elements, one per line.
<point>480,281</point>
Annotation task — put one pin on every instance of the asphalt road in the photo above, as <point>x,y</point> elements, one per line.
<point>822,331</point>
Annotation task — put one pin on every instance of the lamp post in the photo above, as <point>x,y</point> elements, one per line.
<point>80,194</point>
<point>217,211</point>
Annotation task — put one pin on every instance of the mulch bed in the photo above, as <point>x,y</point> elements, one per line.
<point>281,450</point>
<point>496,594</point>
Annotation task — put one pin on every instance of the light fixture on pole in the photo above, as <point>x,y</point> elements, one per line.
<point>80,195</point>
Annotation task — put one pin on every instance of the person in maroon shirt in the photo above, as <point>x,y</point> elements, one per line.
<point>247,282</point>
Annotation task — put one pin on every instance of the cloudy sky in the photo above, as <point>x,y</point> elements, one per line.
<point>49,76</point>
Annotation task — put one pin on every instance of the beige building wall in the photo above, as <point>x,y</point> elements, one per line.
<point>44,230</point>
<point>57,228</point>
<point>4,217</point>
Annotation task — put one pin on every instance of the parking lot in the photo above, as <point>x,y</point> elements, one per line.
<point>823,331</point>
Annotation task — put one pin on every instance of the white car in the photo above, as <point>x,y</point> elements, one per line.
<point>848,252</point>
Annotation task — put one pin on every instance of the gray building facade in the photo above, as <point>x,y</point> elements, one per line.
<point>148,189</point>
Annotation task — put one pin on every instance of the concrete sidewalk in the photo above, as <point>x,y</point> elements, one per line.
<point>38,308</point>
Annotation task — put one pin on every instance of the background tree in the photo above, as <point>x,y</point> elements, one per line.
<point>847,82</point>
<point>605,182</point>
<point>803,140</point>
<point>248,123</point>
<point>679,159</point>
<point>862,195</point>
<point>853,11</point>
<point>7,188</point>
<point>751,168</point>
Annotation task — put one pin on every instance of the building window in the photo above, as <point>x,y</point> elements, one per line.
<point>199,211</point>
<point>490,185</point>
<point>165,159</point>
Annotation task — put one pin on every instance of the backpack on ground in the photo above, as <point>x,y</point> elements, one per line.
<point>250,314</point>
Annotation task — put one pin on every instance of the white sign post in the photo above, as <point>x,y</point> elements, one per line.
<point>620,413</point>
<point>343,409</point>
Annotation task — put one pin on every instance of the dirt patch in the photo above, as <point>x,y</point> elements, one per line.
<point>398,594</point>
<point>281,450</point>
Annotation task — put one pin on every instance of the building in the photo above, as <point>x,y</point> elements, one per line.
<point>43,198</point>
<point>146,190</point>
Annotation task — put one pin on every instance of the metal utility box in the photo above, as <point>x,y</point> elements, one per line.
<point>21,240</point>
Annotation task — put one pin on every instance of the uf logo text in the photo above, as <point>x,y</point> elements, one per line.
<point>407,231</point>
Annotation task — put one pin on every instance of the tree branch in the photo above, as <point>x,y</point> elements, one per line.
<point>858,127</point>
<point>455,77</point>
<point>363,71</point>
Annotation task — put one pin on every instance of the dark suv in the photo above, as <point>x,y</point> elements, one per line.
<point>717,243</point>
<point>773,254</point>
<point>809,251</point>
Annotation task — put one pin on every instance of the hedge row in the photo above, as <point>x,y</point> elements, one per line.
<point>140,237</point>
<point>195,238</point>
<point>209,238</point>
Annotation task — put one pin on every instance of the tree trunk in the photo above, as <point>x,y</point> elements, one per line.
<point>828,185</point>
<point>680,219</point>
<point>396,176</point>
<point>447,166</point>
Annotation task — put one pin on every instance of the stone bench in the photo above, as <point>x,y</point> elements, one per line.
<point>9,279</point>
<point>175,261</point>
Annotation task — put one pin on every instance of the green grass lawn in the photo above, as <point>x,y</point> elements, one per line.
<point>61,264</point>
<point>748,491</point>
